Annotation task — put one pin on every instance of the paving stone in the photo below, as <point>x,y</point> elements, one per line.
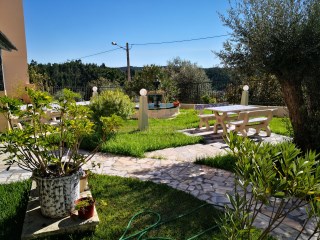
<point>195,192</point>
<point>191,188</point>
<point>203,197</point>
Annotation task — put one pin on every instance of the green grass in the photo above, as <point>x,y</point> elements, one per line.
<point>118,199</point>
<point>124,197</point>
<point>13,204</point>
<point>162,133</point>
<point>226,162</point>
<point>281,126</point>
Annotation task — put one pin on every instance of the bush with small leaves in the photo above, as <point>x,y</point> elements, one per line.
<point>109,103</point>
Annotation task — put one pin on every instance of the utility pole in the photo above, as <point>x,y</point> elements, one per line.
<point>128,62</point>
<point>128,58</point>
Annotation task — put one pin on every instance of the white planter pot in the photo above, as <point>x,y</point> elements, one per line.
<point>57,195</point>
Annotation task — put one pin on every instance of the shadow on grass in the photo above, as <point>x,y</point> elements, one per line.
<point>121,198</point>
<point>13,204</point>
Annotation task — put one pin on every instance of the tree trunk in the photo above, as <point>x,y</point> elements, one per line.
<point>293,96</point>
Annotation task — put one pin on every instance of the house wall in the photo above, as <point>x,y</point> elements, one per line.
<point>15,66</point>
<point>14,63</point>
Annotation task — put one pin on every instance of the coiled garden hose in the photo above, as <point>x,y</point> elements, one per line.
<point>139,235</point>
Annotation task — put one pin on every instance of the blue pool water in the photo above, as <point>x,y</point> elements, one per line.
<point>162,106</point>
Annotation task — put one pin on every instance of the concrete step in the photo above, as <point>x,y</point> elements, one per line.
<point>35,225</point>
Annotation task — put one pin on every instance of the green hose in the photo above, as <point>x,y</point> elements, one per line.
<point>158,222</point>
<point>142,232</point>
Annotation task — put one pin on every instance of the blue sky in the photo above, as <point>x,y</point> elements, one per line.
<point>61,30</point>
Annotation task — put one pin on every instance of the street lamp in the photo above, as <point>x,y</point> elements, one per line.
<point>128,58</point>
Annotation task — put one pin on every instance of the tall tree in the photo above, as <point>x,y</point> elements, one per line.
<point>282,38</point>
<point>191,80</point>
<point>145,78</point>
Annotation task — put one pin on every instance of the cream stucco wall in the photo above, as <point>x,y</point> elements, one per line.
<point>14,63</point>
<point>15,67</point>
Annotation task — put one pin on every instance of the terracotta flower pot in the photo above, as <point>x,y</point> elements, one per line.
<point>85,207</point>
<point>176,104</point>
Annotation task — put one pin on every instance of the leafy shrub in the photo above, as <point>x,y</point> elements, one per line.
<point>109,103</point>
<point>78,97</point>
<point>208,99</point>
<point>280,178</point>
<point>145,79</point>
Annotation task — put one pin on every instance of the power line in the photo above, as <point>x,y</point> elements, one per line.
<point>153,43</point>
<point>178,41</point>
<point>91,55</point>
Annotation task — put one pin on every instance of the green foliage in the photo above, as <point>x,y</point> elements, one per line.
<point>187,76</point>
<point>145,79</point>
<point>268,38</point>
<point>109,103</point>
<point>103,83</point>
<point>218,74</point>
<point>279,177</point>
<point>264,89</point>
<point>13,203</point>
<point>38,144</point>
<point>84,202</point>
<point>207,99</point>
<point>60,94</point>
<point>183,71</point>
<point>73,73</point>
<point>41,80</point>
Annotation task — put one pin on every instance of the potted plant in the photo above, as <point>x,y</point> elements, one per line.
<point>85,207</point>
<point>50,151</point>
<point>176,103</point>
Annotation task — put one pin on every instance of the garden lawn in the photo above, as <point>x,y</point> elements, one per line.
<point>13,204</point>
<point>281,126</point>
<point>162,133</point>
<point>124,197</point>
<point>226,162</point>
<point>118,199</point>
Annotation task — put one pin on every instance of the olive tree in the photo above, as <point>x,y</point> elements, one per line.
<point>191,80</point>
<point>282,38</point>
<point>145,79</point>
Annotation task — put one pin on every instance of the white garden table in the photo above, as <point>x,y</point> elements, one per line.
<point>221,114</point>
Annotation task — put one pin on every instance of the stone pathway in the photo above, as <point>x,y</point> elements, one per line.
<point>175,167</point>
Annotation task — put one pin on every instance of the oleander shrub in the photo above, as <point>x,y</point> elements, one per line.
<point>111,102</point>
<point>280,178</point>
